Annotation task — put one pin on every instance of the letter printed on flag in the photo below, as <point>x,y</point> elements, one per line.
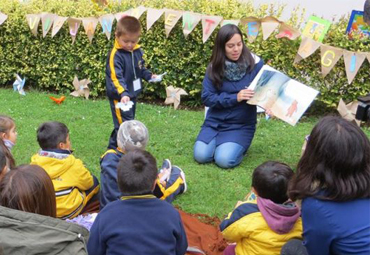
<point>209,24</point>
<point>106,22</point>
<point>57,25</point>
<point>170,19</point>
<point>33,21</point>
<point>189,21</point>
<point>252,26</point>
<point>353,62</point>
<point>90,26</point>
<point>329,57</point>
<point>47,20</point>
<point>73,24</point>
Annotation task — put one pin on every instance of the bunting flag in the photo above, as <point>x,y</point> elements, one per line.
<point>3,17</point>
<point>33,21</point>
<point>286,31</point>
<point>189,21</point>
<point>352,62</point>
<point>47,20</point>
<point>106,22</point>
<point>230,21</point>
<point>138,11</point>
<point>120,15</point>
<point>329,57</point>
<point>209,24</point>
<point>170,19</point>
<point>368,57</point>
<point>73,24</point>
<point>152,15</point>
<point>90,26</point>
<point>252,26</point>
<point>306,49</point>
<point>269,24</point>
<point>57,25</point>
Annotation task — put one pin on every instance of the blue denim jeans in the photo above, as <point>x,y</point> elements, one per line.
<point>226,155</point>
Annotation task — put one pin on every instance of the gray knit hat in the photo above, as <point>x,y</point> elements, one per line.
<point>132,134</point>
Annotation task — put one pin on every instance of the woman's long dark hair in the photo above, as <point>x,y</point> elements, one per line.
<point>336,161</point>
<point>216,67</point>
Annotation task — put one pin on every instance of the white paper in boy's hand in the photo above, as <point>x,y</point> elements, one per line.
<point>158,78</point>
<point>125,106</point>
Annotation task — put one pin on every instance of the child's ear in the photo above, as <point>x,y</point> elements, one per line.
<point>3,135</point>
<point>62,146</point>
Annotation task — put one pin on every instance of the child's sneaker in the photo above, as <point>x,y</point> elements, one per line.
<point>165,171</point>
<point>182,175</point>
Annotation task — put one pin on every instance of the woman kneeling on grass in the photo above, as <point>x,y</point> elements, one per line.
<point>229,127</point>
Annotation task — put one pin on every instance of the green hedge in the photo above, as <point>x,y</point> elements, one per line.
<point>51,63</point>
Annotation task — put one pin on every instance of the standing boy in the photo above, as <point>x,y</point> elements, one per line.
<point>124,70</point>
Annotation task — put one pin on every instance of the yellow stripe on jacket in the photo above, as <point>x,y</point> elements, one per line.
<point>116,83</point>
<point>70,179</point>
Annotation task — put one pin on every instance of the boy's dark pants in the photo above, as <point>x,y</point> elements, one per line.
<point>119,116</point>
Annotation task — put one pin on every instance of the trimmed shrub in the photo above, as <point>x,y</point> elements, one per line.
<point>51,63</point>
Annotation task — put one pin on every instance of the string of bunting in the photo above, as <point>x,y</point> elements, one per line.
<point>310,42</point>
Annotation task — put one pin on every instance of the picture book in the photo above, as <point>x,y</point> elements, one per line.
<point>357,25</point>
<point>316,28</point>
<point>287,99</point>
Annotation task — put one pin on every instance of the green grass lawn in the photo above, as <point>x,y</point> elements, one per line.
<point>211,190</point>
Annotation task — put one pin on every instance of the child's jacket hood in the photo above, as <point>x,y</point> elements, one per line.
<point>279,217</point>
<point>53,167</point>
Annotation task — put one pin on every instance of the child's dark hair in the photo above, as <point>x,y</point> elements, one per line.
<point>50,134</point>
<point>216,67</point>
<point>136,172</point>
<point>6,155</point>
<point>28,188</point>
<point>336,161</point>
<point>128,25</point>
<point>6,123</point>
<point>270,180</point>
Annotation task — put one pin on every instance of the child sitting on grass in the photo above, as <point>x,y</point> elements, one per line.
<point>138,223</point>
<point>8,135</point>
<point>75,187</point>
<point>133,135</point>
<point>267,220</point>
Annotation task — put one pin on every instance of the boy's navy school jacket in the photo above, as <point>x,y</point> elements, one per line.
<point>122,68</point>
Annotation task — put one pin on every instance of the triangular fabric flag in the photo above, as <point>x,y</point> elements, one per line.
<point>33,21</point>
<point>189,21</point>
<point>348,111</point>
<point>209,24</point>
<point>170,19</point>
<point>90,26</point>
<point>368,57</point>
<point>352,62</point>
<point>152,15</point>
<point>73,24</point>
<point>57,25</point>
<point>269,24</point>
<point>3,17</point>
<point>47,20</point>
<point>329,57</point>
<point>307,48</point>
<point>119,15</point>
<point>106,22</point>
<point>138,11</point>
<point>286,31</point>
<point>230,21</point>
<point>252,26</point>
